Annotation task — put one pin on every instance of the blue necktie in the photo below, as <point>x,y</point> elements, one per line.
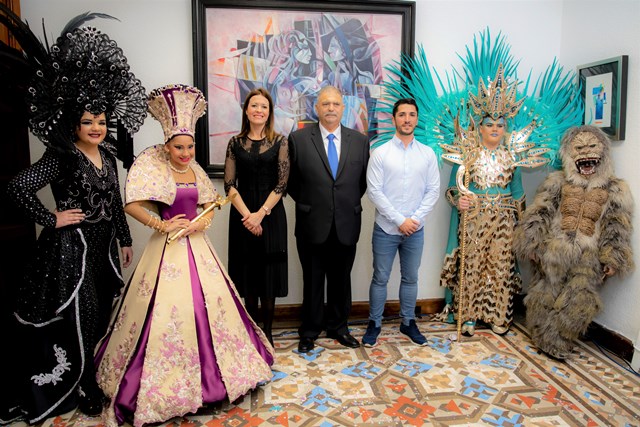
<point>332,153</point>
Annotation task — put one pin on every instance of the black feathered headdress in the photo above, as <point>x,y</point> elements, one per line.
<point>83,71</point>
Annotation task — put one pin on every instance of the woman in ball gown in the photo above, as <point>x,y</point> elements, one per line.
<point>181,336</point>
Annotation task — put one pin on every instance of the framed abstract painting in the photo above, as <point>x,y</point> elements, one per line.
<point>292,49</point>
<point>603,85</point>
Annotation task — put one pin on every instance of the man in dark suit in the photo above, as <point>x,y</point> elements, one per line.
<point>327,192</point>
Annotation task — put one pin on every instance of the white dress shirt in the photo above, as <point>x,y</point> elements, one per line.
<point>402,182</point>
<point>325,140</point>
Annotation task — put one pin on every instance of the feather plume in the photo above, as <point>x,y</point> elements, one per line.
<point>553,103</point>
<point>33,49</point>
<point>79,20</point>
<point>57,82</point>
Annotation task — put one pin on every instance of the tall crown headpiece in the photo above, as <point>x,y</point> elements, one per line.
<point>177,107</point>
<point>85,71</point>
<point>497,100</point>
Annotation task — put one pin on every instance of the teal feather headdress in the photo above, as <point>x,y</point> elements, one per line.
<point>553,103</point>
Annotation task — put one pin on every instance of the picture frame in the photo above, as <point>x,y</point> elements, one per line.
<point>603,87</point>
<point>292,48</point>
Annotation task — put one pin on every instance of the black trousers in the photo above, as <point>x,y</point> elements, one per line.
<point>331,261</point>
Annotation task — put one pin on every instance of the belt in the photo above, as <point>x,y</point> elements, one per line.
<point>500,201</point>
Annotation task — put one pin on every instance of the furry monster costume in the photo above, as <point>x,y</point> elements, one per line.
<point>576,233</point>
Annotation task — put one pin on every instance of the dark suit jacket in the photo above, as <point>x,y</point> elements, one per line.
<point>319,199</point>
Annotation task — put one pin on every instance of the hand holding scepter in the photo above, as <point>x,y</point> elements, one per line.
<point>217,203</point>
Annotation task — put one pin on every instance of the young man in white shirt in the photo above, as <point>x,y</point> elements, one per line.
<point>403,182</point>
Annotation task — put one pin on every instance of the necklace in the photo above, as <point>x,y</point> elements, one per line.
<point>175,169</point>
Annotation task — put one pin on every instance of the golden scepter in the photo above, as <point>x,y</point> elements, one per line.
<point>464,153</point>
<point>463,189</point>
<point>217,203</point>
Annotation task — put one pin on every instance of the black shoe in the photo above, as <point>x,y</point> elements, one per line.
<point>413,332</point>
<point>345,339</point>
<point>91,403</point>
<point>370,337</point>
<point>305,345</point>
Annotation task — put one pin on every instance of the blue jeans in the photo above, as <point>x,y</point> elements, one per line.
<point>385,247</point>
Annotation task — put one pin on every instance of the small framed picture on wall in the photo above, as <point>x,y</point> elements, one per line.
<point>603,86</point>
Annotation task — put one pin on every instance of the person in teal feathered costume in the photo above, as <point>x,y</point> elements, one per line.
<point>487,199</point>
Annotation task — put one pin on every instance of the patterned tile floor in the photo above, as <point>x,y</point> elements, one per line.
<point>486,380</point>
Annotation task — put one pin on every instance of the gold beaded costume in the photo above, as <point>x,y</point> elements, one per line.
<point>495,186</point>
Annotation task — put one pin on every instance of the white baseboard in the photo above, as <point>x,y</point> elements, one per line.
<point>635,362</point>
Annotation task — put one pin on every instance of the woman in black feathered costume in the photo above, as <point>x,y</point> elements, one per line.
<point>64,303</point>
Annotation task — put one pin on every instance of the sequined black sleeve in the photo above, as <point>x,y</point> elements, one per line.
<point>119,218</point>
<point>23,188</point>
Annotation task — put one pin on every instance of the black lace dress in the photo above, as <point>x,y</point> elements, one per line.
<point>258,264</point>
<point>64,303</point>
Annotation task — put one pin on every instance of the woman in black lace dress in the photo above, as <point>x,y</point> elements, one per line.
<point>256,170</point>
